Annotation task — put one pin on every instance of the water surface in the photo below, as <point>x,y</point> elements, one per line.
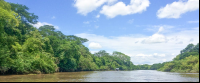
<point>105,76</point>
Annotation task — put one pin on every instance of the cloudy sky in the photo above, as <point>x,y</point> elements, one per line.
<point>149,31</point>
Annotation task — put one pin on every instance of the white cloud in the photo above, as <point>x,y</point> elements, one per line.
<point>156,38</point>
<point>149,59</point>
<point>162,55</point>
<point>93,45</point>
<point>191,40</point>
<point>181,42</point>
<point>155,54</point>
<point>176,9</point>
<point>159,36</point>
<point>53,17</point>
<point>98,16</point>
<point>86,22</point>
<point>131,21</point>
<point>161,29</point>
<point>120,8</point>
<point>163,26</point>
<point>96,26</point>
<point>145,53</point>
<point>39,24</point>
<point>86,6</point>
<point>193,21</point>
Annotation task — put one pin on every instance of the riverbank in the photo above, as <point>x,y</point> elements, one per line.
<point>105,76</point>
<point>38,73</point>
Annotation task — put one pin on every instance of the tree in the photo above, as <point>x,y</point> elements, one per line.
<point>8,20</point>
<point>186,62</point>
<point>188,48</point>
<point>101,53</point>
<point>22,10</point>
<point>25,49</point>
<point>27,19</point>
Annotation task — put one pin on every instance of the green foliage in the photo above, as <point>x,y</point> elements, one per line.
<point>8,20</point>
<point>5,60</point>
<point>25,49</point>
<point>22,10</point>
<point>34,62</point>
<point>156,66</point>
<point>30,57</point>
<point>69,56</point>
<point>22,48</point>
<point>105,61</point>
<point>86,64</point>
<point>26,20</point>
<point>143,67</point>
<point>7,16</point>
<point>187,61</point>
<point>86,61</point>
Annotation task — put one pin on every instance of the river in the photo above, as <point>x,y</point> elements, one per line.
<point>105,76</point>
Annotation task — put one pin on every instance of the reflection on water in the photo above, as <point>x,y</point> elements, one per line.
<point>105,76</point>
<point>56,77</point>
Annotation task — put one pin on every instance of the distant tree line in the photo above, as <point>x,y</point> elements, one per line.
<point>186,62</point>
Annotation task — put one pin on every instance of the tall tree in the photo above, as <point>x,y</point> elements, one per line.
<point>26,20</point>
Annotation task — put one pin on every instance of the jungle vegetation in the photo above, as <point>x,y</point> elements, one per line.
<point>25,49</point>
<point>186,62</point>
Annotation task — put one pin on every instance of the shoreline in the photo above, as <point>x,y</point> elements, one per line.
<point>94,71</point>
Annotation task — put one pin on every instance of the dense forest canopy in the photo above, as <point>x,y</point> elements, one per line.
<point>25,49</point>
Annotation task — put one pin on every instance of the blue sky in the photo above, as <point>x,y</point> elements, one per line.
<point>149,31</point>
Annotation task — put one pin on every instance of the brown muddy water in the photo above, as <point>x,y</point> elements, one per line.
<point>105,76</point>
